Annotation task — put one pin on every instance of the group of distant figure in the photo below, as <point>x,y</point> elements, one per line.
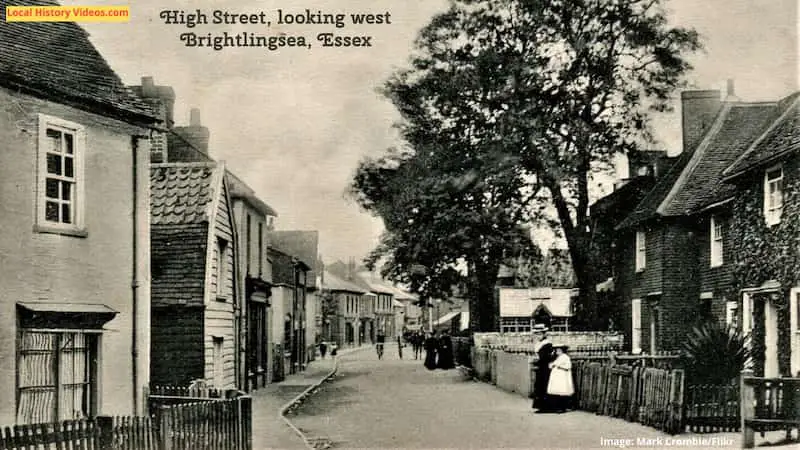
<point>438,349</point>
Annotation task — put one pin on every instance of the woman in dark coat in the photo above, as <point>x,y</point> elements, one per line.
<point>431,344</point>
<point>544,350</point>
<point>445,352</point>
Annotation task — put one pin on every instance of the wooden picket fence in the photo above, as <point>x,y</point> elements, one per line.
<point>217,423</point>
<point>652,397</point>
<point>712,408</point>
<point>99,433</point>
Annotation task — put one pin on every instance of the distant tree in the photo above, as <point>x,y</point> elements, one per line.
<point>450,221</point>
<point>554,88</point>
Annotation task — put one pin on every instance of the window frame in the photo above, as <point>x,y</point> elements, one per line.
<point>636,331</point>
<point>640,251</point>
<point>92,368</point>
<point>248,243</point>
<point>77,199</point>
<point>716,242</point>
<point>260,249</point>
<point>222,258</point>
<point>772,214</point>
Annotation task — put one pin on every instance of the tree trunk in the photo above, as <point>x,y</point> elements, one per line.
<point>483,306</point>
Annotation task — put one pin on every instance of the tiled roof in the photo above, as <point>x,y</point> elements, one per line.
<point>783,137</point>
<point>303,245</point>
<point>375,284</point>
<point>646,209</point>
<point>181,192</point>
<point>57,62</point>
<point>334,283</point>
<point>701,184</point>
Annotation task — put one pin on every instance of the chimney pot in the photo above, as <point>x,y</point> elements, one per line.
<point>194,118</point>
<point>147,82</point>
<point>730,88</point>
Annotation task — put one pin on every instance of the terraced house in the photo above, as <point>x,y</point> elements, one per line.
<point>74,251</point>
<point>764,244</point>
<point>195,328</point>
<point>677,256</point>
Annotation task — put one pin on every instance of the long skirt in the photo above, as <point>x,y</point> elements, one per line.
<point>430,360</point>
<point>540,388</point>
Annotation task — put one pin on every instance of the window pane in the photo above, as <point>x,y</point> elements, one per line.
<point>51,188</point>
<point>51,211</point>
<point>68,143</point>
<point>66,215</point>
<point>66,190</point>
<point>53,164</point>
<point>54,137</point>
<point>68,167</point>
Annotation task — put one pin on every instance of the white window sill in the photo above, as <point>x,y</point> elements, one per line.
<point>715,265</point>
<point>51,229</point>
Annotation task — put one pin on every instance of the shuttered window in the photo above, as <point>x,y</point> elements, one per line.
<point>636,325</point>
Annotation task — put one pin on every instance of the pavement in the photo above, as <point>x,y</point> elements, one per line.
<point>396,403</point>
<point>270,430</point>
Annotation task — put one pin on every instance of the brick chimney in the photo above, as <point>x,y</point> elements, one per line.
<point>162,100</point>
<point>698,111</point>
<point>195,133</point>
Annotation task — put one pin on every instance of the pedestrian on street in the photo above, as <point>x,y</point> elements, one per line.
<point>560,388</point>
<point>400,347</point>
<point>544,351</point>
<point>334,348</point>
<point>431,344</point>
<point>323,348</point>
<point>417,340</point>
<point>444,358</point>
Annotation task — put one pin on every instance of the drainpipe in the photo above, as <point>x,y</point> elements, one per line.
<point>140,326</point>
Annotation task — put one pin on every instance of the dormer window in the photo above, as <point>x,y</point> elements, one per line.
<point>716,242</point>
<point>773,195</point>
<point>641,248</point>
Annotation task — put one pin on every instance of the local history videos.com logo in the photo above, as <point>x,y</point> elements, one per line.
<point>116,14</point>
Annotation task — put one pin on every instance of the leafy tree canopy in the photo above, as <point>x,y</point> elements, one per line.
<point>509,106</point>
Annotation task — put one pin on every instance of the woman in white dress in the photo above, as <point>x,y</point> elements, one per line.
<point>560,387</point>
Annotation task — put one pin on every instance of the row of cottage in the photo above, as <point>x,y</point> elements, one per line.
<point>712,233</point>
<point>130,257</point>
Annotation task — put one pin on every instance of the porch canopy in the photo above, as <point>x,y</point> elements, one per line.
<point>72,316</point>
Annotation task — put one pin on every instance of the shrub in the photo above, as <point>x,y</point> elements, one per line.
<point>715,353</point>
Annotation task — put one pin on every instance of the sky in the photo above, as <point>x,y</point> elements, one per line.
<point>295,122</point>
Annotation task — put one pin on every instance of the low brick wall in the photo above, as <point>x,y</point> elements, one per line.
<point>594,342</point>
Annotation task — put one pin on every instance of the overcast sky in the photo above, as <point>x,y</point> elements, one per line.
<point>294,123</point>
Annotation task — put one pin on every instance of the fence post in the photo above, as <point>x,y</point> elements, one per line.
<point>747,406</point>
<point>105,426</point>
<point>164,428</point>
<point>247,421</point>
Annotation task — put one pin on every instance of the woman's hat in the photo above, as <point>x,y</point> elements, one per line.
<point>539,327</point>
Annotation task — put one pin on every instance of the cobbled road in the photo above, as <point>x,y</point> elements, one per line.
<point>396,403</point>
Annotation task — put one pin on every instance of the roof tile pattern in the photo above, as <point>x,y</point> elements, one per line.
<point>702,185</point>
<point>783,138</point>
<point>56,60</point>
<point>180,194</point>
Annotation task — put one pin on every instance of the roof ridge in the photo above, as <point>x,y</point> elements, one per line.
<point>697,155</point>
<point>726,175</point>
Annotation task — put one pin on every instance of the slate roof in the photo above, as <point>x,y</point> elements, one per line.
<point>375,285</point>
<point>302,244</point>
<point>240,189</point>
<point>701,184</point>
<point>782,138</point>
<point>57,62</point>
<point>180,193</point>
<point>334,283</point>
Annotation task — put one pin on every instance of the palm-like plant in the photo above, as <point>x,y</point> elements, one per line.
<point>715,353</point>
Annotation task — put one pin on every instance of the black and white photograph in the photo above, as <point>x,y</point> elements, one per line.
<point>386,224</point>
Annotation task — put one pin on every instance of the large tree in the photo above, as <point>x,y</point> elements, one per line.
<point>450,221</point>
<point>559,85</point>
